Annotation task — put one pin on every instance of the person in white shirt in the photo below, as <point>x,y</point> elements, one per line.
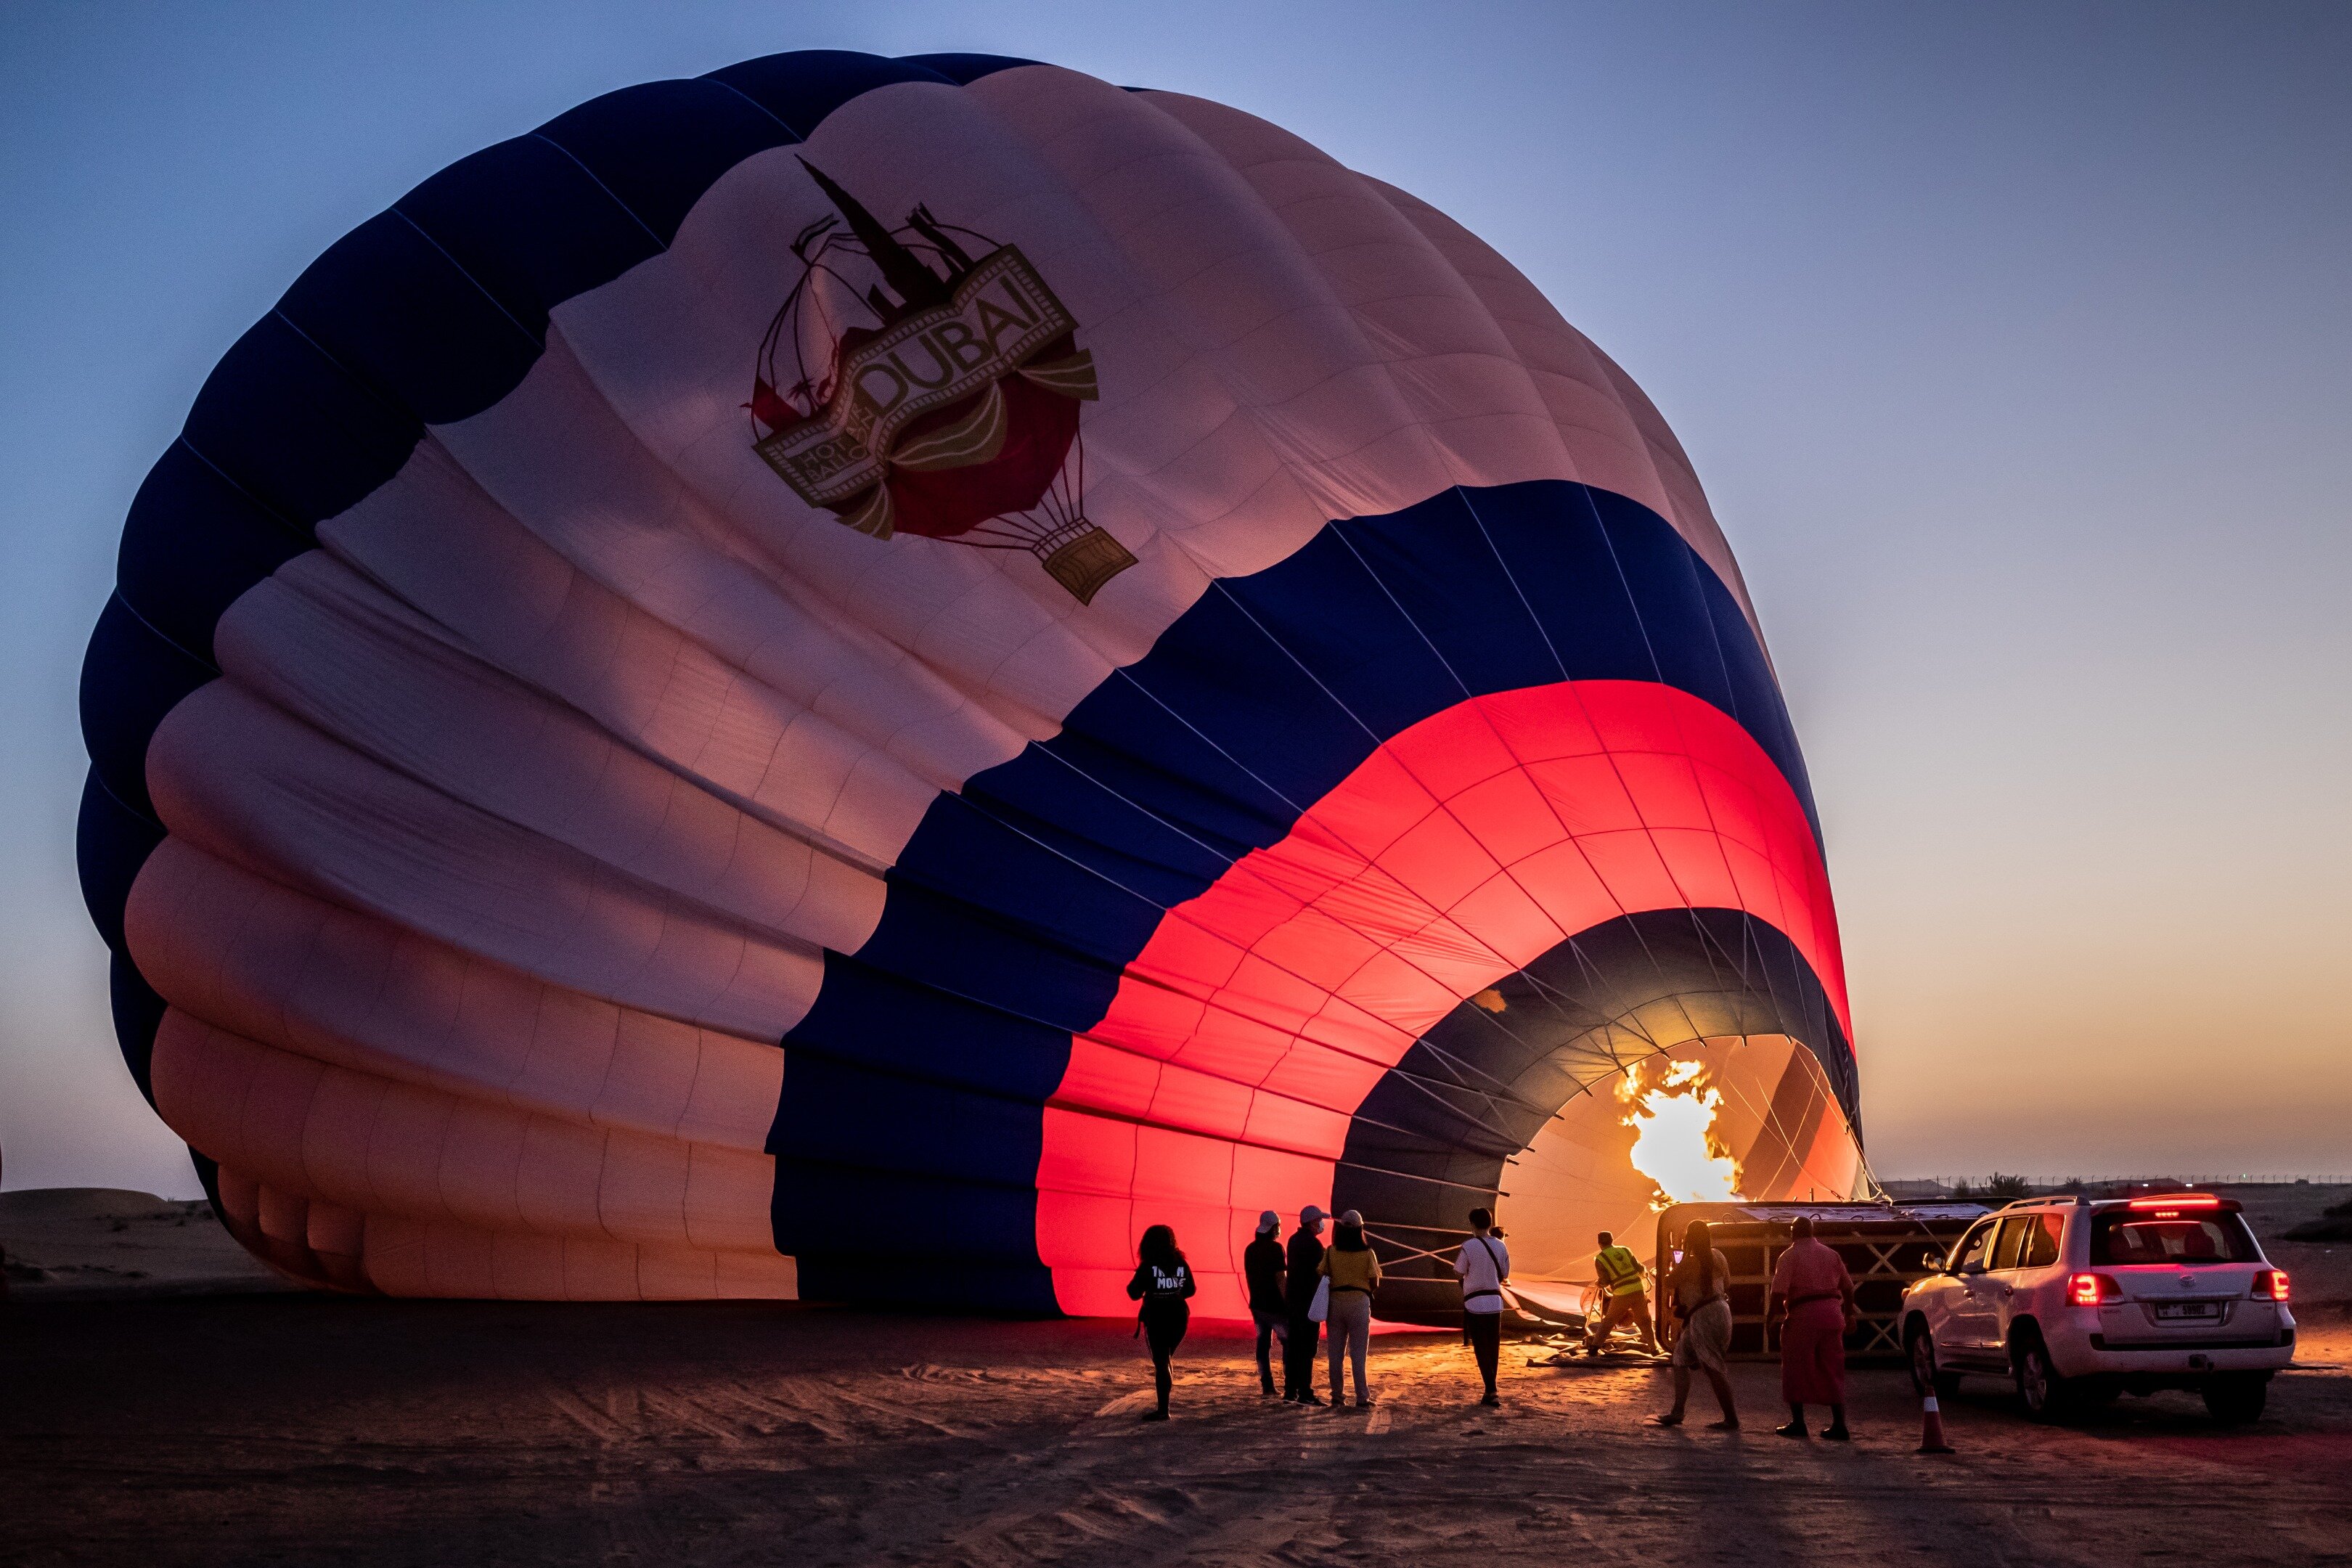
<point>1483,1265</point>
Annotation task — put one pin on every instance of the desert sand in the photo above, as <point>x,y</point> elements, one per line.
<point>93,1243</point>
<point>216,1428</point>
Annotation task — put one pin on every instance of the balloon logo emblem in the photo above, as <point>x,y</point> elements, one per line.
<point>925,380</point>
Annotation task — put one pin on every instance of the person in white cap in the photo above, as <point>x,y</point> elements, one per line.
<point>1354,1271</point>
<point>1305,1272</point>
<point>1262,1270</point>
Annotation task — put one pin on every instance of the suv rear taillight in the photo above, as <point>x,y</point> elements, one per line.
<point>2090,1289</point>
<point>2270,1285</point>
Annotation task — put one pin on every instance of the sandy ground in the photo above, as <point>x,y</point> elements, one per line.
<point>2321,1271</point>
<point>90,1243</point>
<point>291,1428</point>
<point>295,1429</point>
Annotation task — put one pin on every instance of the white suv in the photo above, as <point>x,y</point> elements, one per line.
<point>2080,1300</point>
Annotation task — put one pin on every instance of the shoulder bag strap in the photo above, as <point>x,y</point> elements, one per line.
<point>1501,1290</point>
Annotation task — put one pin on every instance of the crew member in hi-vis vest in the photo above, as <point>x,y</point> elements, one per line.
<point>1622,1275</point>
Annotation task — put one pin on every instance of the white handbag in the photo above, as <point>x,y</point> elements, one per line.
<point>1320,1308</point>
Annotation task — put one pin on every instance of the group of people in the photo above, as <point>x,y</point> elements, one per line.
<point>1303,1290</point>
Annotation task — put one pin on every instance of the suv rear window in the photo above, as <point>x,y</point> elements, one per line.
<point>2124,1236</point>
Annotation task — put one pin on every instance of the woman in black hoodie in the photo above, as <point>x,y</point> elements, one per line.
<point>1163,1283</point>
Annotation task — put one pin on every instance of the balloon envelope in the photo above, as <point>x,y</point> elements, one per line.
<point>859,676</point>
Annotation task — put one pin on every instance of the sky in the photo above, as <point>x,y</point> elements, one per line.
<point>2012,343</point>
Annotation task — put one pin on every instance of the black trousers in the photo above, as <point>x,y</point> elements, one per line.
<point>1485,1333</point>
<point>1298,1356</point>
<point>1163,1330</point>
<point>1265,1326</point>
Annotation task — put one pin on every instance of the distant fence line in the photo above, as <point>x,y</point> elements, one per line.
<point>2051,1184</point>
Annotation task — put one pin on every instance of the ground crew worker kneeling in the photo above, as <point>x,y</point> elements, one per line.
<point>1621,1276</point>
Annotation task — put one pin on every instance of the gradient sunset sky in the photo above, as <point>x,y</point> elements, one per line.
<point>2013,344</point>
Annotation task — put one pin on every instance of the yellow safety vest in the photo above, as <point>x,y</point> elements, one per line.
<point>1618,1269</point>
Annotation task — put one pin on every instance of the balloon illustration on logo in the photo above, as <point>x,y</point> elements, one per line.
<point>856,678</point>
<point>953,416</point>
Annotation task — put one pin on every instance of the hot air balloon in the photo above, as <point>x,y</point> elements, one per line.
<point>971,440</point>
<point>575,816</point>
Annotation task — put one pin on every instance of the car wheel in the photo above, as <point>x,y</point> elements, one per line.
<point>2234,1399</point>
<point>1927,1378</point>
<point>2040,1388</point>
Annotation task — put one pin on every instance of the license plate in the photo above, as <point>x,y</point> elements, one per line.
<point>2174,1311</point>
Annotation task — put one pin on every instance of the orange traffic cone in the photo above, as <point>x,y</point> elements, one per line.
<point>1931,1436</point>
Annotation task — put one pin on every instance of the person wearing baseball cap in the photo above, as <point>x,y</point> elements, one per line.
<point>1262,1272</point>
<point>1305,1272</point>
<point>1354,1271</point>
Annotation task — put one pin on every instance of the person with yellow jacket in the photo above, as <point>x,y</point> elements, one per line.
<point>1353,1272</point>
<point>1622,1278</point>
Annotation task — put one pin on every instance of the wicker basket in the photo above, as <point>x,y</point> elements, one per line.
<point>1081,557</point>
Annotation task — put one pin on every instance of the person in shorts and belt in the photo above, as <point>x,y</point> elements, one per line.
<point>1702,1288</point>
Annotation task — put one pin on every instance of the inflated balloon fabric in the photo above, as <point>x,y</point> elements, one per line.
<point>856,678</point>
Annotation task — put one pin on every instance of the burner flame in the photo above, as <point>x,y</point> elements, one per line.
<point>1672,1109</point>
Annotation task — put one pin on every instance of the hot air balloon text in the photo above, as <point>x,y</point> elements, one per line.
<point>954,416</point>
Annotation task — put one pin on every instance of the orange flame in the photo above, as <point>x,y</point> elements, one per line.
<point>1671,1110</point>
